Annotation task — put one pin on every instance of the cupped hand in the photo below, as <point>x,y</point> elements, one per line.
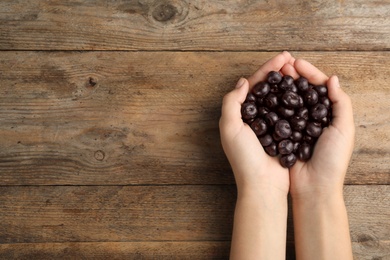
<point>324,173</point>
<point>252,167</point>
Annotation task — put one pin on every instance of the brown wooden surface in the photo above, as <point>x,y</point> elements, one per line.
<point>156,214</point>
<point>140,122</point>
<point>194,25</point>
<point>118,250</point>
<point>109,142</point>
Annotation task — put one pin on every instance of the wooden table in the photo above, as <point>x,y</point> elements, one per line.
<point>109,141</point>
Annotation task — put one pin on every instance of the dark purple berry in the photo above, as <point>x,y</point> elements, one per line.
<point>266,140</point>
<point>318,112</point>
<point>287,161</point>
<point>325,122</point>
<point>259,126</point>
<point>248,111</point>
<point>283,129</point>
<point>293,88</point>
<point>313,129</point>
<point>286,112</point>
<point>303,113</point>
<point>308,139</point>
<point>250,98</point>
<point>300,101</point>
<point>277,138</point>
<point>290,99</point>
<point>302,84</point>
<point>262,111</point>
<point>310,97</point>
<point>274,77</point>
<point>296,147</point>
<point>321,90</point>
<point>286,83</point>
<point>260,101</point>
<point>261,89</point>
<point>326,102</point>
<point>296,136</point>
<point>271,100</point>
<point>285,146</point>
<point>271,118</point>
<point>249,121</point>
<point>304,152</point>
<point>271,149</point>
<point>274,89</point>
<point>298,123</point>
<point>288,79</point>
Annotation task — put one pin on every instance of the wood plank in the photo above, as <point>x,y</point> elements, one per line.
<point>194,25</point>
<point>37,214</point>
<point>122,250</point>
<point>117,250</point>
<point>151,250</point>
<point>101,118</point>
<point>152,215</point>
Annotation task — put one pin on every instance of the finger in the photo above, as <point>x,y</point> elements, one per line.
<point>289,69</point>
<point>231,104</point>
<point>291,61</point>
<point>310,72</point>
<point>341,107</point>
<point>287,55</point>
<point>274,64</point>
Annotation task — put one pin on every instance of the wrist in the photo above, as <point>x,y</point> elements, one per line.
<point>321,227</point>
<point>265,191</point>
<point>318,199</point>
<point>264,198</point>
<point>317,193</point>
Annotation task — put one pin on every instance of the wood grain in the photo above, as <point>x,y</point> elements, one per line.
<point>109,141</point>
<point>194,25</point>
<point>117,250</point>
<point>146,220</point>
<point>37,214</point>
<point>120,118</point>
<point>161,250</point>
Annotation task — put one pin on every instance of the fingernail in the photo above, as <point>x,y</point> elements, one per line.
<point>240,82</point>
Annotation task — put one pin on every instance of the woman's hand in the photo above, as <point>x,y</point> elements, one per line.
<point>260,218</point>
<point>252,167</point>
<point>321,228</point>
<point>324,173</point>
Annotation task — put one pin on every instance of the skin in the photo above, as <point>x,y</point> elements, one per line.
<point>316,187</point>
<point>320,219</point>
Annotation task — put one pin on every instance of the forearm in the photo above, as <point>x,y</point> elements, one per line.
<point>260,223</point>
<point>321,228</point>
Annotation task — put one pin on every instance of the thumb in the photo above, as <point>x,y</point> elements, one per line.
<point>341,108</point>
<point>231,104</point>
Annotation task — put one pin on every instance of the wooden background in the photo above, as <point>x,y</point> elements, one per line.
<point>109,142</point>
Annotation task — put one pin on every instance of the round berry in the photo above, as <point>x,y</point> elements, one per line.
<point>287,161</point>
<point>259,126</point>
<point>271,149</point>
<point>261,89</point>
<point>285,146</point>
<point>248,111</point>
<point>310,97</point>
<point>274,77</point>
<point>318,112</point>
<point>313,129</point>
<point>283,129</point>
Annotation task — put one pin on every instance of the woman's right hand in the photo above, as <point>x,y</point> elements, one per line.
<point>324,173</point>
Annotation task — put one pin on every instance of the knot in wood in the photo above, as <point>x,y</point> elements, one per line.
<point>99,155</point>
<point>164,12</point>
<point>91,82</point>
